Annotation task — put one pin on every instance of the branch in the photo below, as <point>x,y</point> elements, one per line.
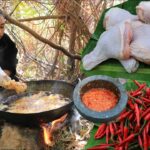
<point>40,38</point>
<point>14,9</point>
<point>44,18</point>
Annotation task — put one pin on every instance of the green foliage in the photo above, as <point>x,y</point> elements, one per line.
<point>113,67</point>
<point>62,27</point>
<point>27,9</point>
<point>24,10</point>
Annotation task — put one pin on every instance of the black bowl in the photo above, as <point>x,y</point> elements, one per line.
<point>99,81</point>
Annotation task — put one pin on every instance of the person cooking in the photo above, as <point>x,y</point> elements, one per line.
<point>8,62</point>
<point>8,52</point>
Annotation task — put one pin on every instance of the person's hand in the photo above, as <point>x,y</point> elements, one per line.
<point>3,77</point>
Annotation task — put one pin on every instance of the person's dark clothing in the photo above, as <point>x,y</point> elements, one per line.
<point>8,54</point>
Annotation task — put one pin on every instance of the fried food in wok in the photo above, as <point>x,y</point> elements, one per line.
<point>13,85</point>
<point>38,103</point>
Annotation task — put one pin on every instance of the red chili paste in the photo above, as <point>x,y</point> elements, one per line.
<point>99,99</point>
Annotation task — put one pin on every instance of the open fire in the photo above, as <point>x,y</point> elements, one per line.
<point>69,137</point>
<point>50,128</point>
<point>17,137</point>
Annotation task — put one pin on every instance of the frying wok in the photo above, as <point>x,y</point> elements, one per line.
<point>35,119</point>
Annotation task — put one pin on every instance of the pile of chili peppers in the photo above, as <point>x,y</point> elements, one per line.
<point>131,130</point>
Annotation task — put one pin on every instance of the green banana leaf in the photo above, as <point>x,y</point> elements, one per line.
<point>92,142</point>
<point>113,67</point>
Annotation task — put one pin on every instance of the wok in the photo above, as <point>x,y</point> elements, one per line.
<point>35,119</point>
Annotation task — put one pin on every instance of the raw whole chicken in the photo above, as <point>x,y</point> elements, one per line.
<point>140,45</point>
<point>143,11</point>
<point>113,43</point>
<point>116,15</point>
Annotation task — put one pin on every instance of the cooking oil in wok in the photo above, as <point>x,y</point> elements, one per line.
<point>37,103</point>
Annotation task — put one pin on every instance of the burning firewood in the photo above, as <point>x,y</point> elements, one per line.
<point>73,134</point>
<point>50,128</point>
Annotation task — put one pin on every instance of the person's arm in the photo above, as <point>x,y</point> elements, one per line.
<point>8,72</point>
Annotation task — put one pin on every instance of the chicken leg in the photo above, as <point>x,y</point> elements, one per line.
<point>140,46</point>
<point>113,43</point>
<point>143,11</point>
<point>116,15</point>
<point>130,65</point>
<point>111,19</point>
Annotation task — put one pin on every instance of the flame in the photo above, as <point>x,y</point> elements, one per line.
<point>47,136</point>
<point>50,128</point>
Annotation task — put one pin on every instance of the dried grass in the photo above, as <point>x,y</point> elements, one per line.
<point>72,33</point>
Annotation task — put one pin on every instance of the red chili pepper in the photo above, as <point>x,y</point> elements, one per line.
<point>122,127</point>
<point>126,146</point>
<point>145,112</point>
<point>147,117</point>
<point>137,114</point>
<point>138,101</point>
<point>120,140</point>
<point>140,141</point>
<point>115,126</point>
<point>107,134</point>
<point>130,117</point>
<point>148,141</point>
<point>130,104</point>
<point>120,148</point>
<point>136,93</point>
<point>147,128</point>
<point>145,140</point>
<point>101,135</point>
<point>100,130</point>
<point>128,139</point>
<point>144,123</point>
<point>145,99</point>
<point>123,116</point>
<point>111,128</point>
<point>136,128</point>
<point>125,132</point>
<point>147,92</point>
<point>137,83</point>
<point>130,125</point>
<point>118,132</point>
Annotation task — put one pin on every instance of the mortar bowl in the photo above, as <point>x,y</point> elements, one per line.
<point>105,82</point>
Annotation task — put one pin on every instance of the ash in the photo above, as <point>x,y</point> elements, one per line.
<point>17,138</point>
